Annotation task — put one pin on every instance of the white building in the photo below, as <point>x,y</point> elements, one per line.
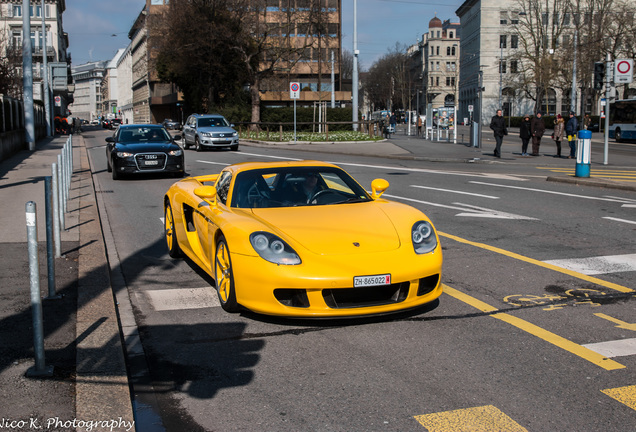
<point>110,87</point>
<point>124,86</point>
<point>88,90</point>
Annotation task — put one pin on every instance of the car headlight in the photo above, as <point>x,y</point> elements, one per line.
<point>206,134</point>
<point>124,154</point>
<point>235,134</point>
<point>423,237</point>
<point>175,152</point>
<point>273,249</point>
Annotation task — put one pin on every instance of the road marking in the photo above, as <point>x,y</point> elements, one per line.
<point>213,163</point>
<point>267,156</point>
<point>478,419</point>
<point>619,220</point>
<point>625,395</point>
<point>547,191</point>
<point>455,191</point>
<point>621,324</point>
<point>467,210</point>
<point>541,333</point>
<point>617,348</point>
<point>568,272</point>
<point>598,265</point>
<point>182,298</point>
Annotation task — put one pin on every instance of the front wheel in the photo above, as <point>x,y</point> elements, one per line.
<point>171,233</point>
<point>197,144</point>
<point>224,277</point>
<point>617,135</point>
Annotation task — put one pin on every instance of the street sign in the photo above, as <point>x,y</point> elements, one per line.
<point>58,101</point>
<point>623,71</point>
<point>294,90</point>
<point>603,102</point>
<point>470,108</point>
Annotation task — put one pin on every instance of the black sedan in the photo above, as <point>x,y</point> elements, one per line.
<point>171,124</point>
<point>143,148</point>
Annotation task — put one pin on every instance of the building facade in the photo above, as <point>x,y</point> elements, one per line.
<point>88,79</point>
<point>124,86</point>
<point>110,87</point>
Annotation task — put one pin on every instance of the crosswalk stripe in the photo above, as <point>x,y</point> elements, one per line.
<point>182,298</point>
<point>625,395</point>
<point>617,348</point>
<point>598,265</point>
<point>478,419</point>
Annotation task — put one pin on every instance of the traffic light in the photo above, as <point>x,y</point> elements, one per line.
<point>599,75</point>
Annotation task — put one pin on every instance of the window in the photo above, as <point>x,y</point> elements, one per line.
<point>16,38</point>
<point>514,41</point>
<point>437,51</point>
<point>436,65</point>
<point>438,33</point>
<point>431,81</point>
<point>432,50</point>
<point>17,10</point>
<point>502,67</point>
<point>450,35</point>
<point>544,19</point>
<point>448,81</point>
<point>513,66</point>
<point>503,17</point>
<point>453,81</point>
<point>453,51</point>
<point>437,81</point>
<point>502,41</point>
<point>448,66</point>
<point>566,19</point>
<point>448,51</point>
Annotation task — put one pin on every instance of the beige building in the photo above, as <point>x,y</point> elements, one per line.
<point>88,79</point>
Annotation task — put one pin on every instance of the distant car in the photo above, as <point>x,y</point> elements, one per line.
<point>115,122</point>
<point>143,148</point>
<point>94,122</point>
<point>209,130</point>
<point>106,124</point>
<point>171,124</point>
<point>303,239</point>
<point>594,127</point>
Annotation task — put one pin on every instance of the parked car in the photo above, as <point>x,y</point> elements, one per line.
<point>111,123</point>
<point>303,239</point>
<point>208,131</point>
<point>143,148</point>
<point>171,124</point>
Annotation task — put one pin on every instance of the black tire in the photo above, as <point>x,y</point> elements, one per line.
<point>116,175</point>
<point>234,148</point>
<point>185,143</point>
<point>224,277</point>
<point>617,135</point>
<point>171,233</point>
<point>197,145</point>
<point>108,167</point>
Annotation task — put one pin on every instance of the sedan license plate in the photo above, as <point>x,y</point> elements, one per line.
<point>151,162</point>
<point>376,280</point>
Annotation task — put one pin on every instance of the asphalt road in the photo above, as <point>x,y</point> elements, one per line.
<point>513,344</point>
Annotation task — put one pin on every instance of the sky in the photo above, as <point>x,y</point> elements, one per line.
<point>97,29</point>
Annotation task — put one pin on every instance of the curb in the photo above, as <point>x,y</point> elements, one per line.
<point>586,181</point>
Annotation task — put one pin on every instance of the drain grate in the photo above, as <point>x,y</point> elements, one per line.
<point>105,191</point>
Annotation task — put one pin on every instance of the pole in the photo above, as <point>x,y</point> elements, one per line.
<point>354,80</point>
<point>573,96</point>
<point>500,71</point>
<point>294,121</point>
<point>27,75</point>
<point>333,81</point>
<point>56,210</point>
<point>50,259</point>
<point>481,97</point>
<point>45,76</point>
<point>608,85</point>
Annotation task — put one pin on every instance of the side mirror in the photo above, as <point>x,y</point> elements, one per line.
<point>378,186</point>
<point>232,125</point>
<point>207,193</point>
<point>110,139</point>
<point>176,138</point>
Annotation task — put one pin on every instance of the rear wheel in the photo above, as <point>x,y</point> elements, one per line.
<point>617,135</point>
<point>171,234</point>
<point>224,277</point>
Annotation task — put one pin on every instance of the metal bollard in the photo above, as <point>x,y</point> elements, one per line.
<point>50,259</point>
<point>583,153</point>
<point>40,368</point>
<point>60,177</point>
<point>56,211</point>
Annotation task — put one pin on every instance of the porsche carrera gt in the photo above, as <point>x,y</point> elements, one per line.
<point>303,239</point>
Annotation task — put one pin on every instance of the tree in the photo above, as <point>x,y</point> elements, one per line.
<point>10,71</point>
<point>386,83</point>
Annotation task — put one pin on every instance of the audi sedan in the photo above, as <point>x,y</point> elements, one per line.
<point>144,148</point>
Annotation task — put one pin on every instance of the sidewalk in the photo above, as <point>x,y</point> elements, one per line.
<point>81,332</point>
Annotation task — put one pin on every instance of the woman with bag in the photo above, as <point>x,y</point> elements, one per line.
<point>557,136</point>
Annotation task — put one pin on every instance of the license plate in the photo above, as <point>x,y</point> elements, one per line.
<point>376,280</point>
<point>151,162</point>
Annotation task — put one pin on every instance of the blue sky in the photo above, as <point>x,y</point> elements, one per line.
<point>97,29</point>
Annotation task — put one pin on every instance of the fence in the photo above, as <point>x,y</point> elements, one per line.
<point>12,129</point>
<point>275,130</point>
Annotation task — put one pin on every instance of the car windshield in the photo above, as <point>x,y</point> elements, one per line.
<point>299,186</point>
<point>213,121</point>
<point>142,134</point>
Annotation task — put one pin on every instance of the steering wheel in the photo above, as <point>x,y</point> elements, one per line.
<point>255,194</point>
<point>314,198</point>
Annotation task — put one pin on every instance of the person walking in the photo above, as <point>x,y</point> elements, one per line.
<point>537,126</point>
<point>393,122</point>
<point>525,134</point>
<point>419,125</point>
<point>570,130</point>
<point>557,136</point>
<point>498,125</point>
<point>385,126</point>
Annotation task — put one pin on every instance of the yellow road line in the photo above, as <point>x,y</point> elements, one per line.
<point>478,419</point>
<point>514,255</point>
<point>595,170</point>
<point>625,395</point>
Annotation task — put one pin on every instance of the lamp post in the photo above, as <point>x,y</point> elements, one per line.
<point>354,80</point>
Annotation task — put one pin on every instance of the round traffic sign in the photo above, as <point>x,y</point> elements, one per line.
<point>295,87</point>
<point>623,67</point>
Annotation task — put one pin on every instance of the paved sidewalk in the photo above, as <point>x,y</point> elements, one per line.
<point>89,387</point>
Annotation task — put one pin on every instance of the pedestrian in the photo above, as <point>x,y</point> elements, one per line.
<point>557,136</point>
<point>570,130</point>
<point>587,122</point>
<point>525,134</point>
<point>498,125</point>
<point>393,122</point>
<point>386,124</point>
<point>537,126</point>
<point>419,125</point>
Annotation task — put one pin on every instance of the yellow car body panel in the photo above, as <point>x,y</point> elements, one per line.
<point>334,242</point>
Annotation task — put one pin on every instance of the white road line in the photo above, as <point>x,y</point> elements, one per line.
<point>455,191</point>
<point>267,156</point>
<point>213,163</point>
<point>182,298</point>
<point>619,220</point>
<point>598,265</point>
<point>547,191</point>
<point>617,348</point>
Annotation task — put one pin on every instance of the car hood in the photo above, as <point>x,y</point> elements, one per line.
<point>161,146</point>
<point>338,229</point>
<point>217,129</point>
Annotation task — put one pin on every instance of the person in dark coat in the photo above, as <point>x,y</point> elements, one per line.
<point>570,130</point>
<point>525,134</point>
<point>537,127</point>
<point>498,125</point>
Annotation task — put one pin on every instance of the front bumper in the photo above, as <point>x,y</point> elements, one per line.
<point>218,142</point>
<point>325,288</point>
<point>138,164</point>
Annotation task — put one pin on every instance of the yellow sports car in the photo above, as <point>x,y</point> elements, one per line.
<point>303,239</point>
